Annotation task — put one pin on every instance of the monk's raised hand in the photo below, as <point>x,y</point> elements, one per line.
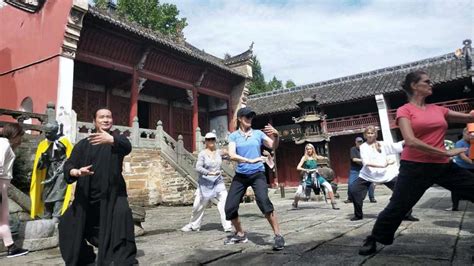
<point>83,171</point>
<point>101,137</point>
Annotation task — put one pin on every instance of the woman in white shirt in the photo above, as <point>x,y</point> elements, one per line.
<point>10,139</point>
<point>376,168</point>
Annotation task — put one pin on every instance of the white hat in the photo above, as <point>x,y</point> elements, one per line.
<point>210,135</point>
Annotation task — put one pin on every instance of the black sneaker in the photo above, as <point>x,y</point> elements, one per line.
<point>347,201</point>
<point>294,205</point>
<point>14,251</point>
<point>235,239</point>
<point>373,201</point>
<point>369,246</point>
<point>279,242</point>
<point>411,218</point>
<point>355,218</point>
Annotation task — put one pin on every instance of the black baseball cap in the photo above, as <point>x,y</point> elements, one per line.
<point>246,111</point>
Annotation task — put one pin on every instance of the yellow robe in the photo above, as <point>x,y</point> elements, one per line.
<point>36,188</point>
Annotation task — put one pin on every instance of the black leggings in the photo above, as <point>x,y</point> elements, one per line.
<point>456,198</point>
<point>358,191</point>
<point>413,180</point>
<point>237,190</point>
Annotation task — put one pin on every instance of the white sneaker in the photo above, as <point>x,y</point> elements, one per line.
<point>189,228</point>
<point>228,229</point>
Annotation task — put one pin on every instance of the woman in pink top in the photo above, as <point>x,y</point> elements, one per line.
<point>424,160</point>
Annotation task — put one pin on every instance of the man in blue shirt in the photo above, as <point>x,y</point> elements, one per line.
<point>463,161</point>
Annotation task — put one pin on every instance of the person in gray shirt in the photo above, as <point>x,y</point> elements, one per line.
<point>211,185</point>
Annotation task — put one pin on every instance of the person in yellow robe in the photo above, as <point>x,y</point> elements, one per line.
<point>49,192</point>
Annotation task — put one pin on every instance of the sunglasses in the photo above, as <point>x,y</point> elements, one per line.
<point>213,139</point>
<point>427,82</point>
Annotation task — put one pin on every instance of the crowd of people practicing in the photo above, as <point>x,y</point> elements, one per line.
<point>100,215</point>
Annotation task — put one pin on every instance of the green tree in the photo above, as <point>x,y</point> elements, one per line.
<point>258,84</point>
<point>290,84</point>
<point>150,14</point>
<point>275,84</point>
<point>101,3</point>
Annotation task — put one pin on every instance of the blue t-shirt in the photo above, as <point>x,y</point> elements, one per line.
<point>460,162</point>
<point>248,147</point>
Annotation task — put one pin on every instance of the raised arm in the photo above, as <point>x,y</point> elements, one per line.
<point>272,139</point>
<point>393,148</point>
<point>458,117</point>
<point>121,145</point>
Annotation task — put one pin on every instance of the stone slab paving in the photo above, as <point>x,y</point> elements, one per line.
<point>315,234</point>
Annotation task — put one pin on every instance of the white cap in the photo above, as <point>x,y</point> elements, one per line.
<point>210,135</point>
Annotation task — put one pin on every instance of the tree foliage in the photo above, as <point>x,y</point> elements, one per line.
<point>275,84</point>
<point>290,84</point>
<point>150,14</point>
<point>101,3</point>
<point>258,84</point>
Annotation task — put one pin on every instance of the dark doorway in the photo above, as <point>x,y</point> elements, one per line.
<point>143,114</point>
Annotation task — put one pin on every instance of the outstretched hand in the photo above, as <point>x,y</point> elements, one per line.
<point>270,131</point>
<point>260,159</point>
<point>101,137</point>
<point>83,171</point>
<point>455,151</point>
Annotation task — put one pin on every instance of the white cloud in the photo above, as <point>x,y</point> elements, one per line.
<point>309,41</point>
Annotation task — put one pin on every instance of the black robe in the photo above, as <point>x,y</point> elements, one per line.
<point>116,238</point>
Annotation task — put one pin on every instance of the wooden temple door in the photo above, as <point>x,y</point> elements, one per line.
<point>86,102</point>
<point>288,157</point>
<point>159,112</point>
<point>183,125</point>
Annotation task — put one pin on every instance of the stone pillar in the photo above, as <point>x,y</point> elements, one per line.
<point>385,125</point>
<point>68,53</point>
<point>135,132</point>
<point>383,117</point>
<point>198,139</point>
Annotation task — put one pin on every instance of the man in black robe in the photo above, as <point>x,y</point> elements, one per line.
<point>100,212</point>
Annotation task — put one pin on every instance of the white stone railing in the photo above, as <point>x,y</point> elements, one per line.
<point>173,151</point>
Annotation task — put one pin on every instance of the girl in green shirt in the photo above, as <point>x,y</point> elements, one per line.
<point>308,165</point>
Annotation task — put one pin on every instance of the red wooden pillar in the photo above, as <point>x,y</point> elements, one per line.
<point>133,98</point>
<point>195,117</point>
<point>229,117</point>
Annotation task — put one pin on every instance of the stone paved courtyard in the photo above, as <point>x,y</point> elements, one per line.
<point>314,234</point>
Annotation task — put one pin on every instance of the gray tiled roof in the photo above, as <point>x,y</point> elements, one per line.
<point>364,85</point>
<point>161,39</point>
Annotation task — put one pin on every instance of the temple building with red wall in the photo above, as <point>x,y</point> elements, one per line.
<point>81,58</point>
<point>349,104</point>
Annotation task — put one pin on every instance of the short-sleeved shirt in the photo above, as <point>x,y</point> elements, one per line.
<point>463,144</point>
<point>429,125</point>
<point>355,153</point>
<point>248,147</point>
<point>7,157</point>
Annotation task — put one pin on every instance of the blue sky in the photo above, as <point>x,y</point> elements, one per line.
<point>309,41</point>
